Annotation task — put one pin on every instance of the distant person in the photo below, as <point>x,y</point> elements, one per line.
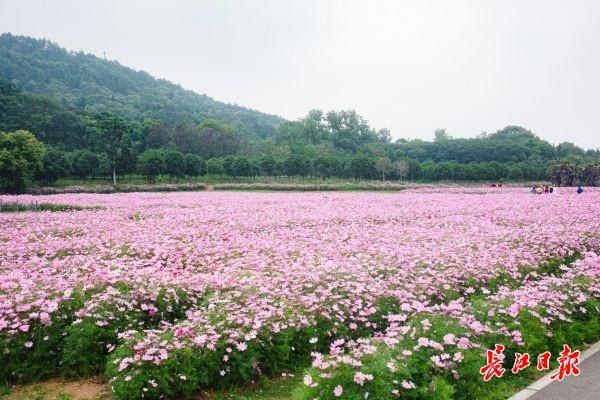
<point>551,189</point>
<point>538,189</point>
<point>533,189</point>
<point>579,190</point>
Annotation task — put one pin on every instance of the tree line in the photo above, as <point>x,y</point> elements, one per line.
<point>25,160</point>
<point>104,119</point>
<point>564,173</point>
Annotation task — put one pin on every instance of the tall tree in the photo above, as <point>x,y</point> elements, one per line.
<point>296,165</point>
<point>361,166</point>
<point>322,166</point>
<point>112,130</point>
<point>84,163</point>
<point>55,166</point>
<point>384,165</point>
<point>242,166</point>
<point>267,164</point>
<point>127,157</point>
<point>194,165</point>
<point>214,166</point>
<point>151,164</point>
<point>21,156</point>
<point>402,168</point>
<point>174,163</point>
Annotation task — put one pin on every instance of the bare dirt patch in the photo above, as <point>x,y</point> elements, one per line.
<point>55,389</point>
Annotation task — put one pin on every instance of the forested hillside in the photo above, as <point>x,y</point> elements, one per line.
<point>80,81</point>
<point>97,118</point>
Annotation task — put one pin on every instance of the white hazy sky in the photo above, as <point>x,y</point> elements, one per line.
<point>411,66</point>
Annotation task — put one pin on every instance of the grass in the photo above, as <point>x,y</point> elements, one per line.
<point>136,179</point>
<point>208,179</point>
<point>105,188</point>
<point>37,392</point>
<point>22,207</point>
<point>163,183</point>
<point>267,389</point>
<point>341,186</point>
<point>86,389</point>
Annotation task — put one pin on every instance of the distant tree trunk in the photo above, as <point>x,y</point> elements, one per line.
<point>114,178</point>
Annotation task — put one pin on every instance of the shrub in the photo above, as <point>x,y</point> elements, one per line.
<point>35,354</point>
<point>115,310</point>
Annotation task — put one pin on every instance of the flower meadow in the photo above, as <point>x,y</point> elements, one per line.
<point>365,295</point>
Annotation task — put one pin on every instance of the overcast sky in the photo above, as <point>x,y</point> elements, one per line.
<point>410,66</point>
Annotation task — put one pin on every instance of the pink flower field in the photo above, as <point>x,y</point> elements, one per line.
<point>362,295</point>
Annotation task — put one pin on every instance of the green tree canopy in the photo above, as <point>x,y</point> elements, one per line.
<point>151,164</point>
<point>214,166</point>
<point>55,166</point>
<point>84,163</point>
<point>194,165</point>
<point>21,156</point>
<point>296,165</point>
<point>242,166</point>
<point>174,163</point>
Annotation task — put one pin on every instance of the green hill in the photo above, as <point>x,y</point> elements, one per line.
<point>100,118</point>
<point>80,82</point>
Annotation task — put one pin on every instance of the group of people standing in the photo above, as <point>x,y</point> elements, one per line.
<point>539,189</point>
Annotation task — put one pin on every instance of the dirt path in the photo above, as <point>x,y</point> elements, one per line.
<point>56,389</point>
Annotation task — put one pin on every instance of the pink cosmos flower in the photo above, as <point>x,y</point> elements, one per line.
<point>408,384</point>
<point>338,390</point>
<point>513,310</point>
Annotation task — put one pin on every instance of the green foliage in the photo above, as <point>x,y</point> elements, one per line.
<point>324,166</point>
<point>214,166</point>
<point>117,113</point>
<point>21,157</point>
<point>50,123</point>
<point>17,207</point>
<point>127,157</point>
<point>267,165</point>
<point>216,139</point>
<point>87,343</point>
<point>228,165</point>
<point>384,165</point>
<point>95,85</point>
<point>36,355</point>
<point>84,163</point>
<point>55,166</point>
<point>431,383</point>
<point>201,367</point>
<point>241,166</point>
<point>121,188</point>
<point>313,187</point>
<point>175,164</point>
<point>194,165</point>
<point>296,165</point>
<point>361,166</point>
<point>151,164</point>
<point>566,173</point>
<point>110,131</point>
